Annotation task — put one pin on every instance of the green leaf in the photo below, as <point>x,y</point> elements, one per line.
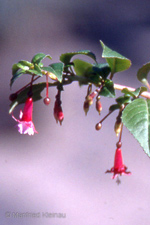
<point>16,75</point>
<point>39,57</point>
<point>116,61</point>
<point>143,72</point>
<point>15,68</point>
<point>123,99</point>
<point>35,71</point>
<point>25,65</point>
<point>102,69</point>
<point>108,89</point>
<point>142,89</point>
<point>81,67</point>
<point>114,107</point>
<point>135,93</point>
<point>136,117</point>
<point>22,96</point>
<point>85,69</point>
<point>65,58</point>
<point>57,69</point>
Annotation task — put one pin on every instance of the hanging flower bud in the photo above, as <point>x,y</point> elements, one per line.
<point>58,113</point>
<point>52,76</point>
<point>13,96</point>
<point>25,124</point>
<point>47,100</point>
<point>117,127</point>
<point>98,126</point>
<point>86,106</point>
<point>90,97</point>
<point>118,124</point>
<point>88,101</point>
<point>119,167</point>
<point>98,105</point>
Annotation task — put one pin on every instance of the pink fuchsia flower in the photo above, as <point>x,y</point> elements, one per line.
<point>119,167</point>
<point>25,124</point>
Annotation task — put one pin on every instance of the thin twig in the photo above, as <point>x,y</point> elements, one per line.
<point>144,94</point>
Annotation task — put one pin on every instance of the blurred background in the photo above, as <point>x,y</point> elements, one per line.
<point>62,169</point>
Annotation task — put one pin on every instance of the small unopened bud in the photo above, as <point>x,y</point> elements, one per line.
<point>60,117</point>
<point>58,113</point>
<point>117,127</point>
<point>46,100</point>
<point>13,96</point>
<point>119,144</point>
<point>89,99</point>
<point>52,76</point>
<point>91,96</point>
<point>98,126</point>
<point>98,106</point>
<point>86,106</point>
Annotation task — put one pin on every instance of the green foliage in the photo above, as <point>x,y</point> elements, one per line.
<point>93,72</point>
<point>66,58</point>
<point>16,75</point>
<point>143,72</point>
<point>22,96</point>
<point>108,89</point>
<point>116,61</point>
<point>114,107</point>
<point>56,69</point>
<point>136,117</point>
<point>135,93</point>
<point>39,57</point>
<point>136,111</point>
<point>123,99</point>
<point>24,67</point>
<point>102,69</point>
<point>82,68</point>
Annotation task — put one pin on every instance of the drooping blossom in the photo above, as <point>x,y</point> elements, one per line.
<point>58,112</point>
<point>119,168</point>
<point>25,124</point>
<point>98,105</point>
<point>88,101</point>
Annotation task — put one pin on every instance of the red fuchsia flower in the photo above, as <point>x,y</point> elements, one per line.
<point>119,167</point>
<point>25,124</point>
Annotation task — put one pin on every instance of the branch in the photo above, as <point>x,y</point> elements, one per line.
<point>144,94</point>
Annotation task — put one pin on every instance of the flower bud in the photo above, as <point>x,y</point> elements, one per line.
<point>117,127</point>
<point>52,76</point>
<point>46,100</point>
<point>58,113</point>
<point>98,106</point>
<point>89,99</point>
<point>13,96</point>
<point>91,96</point>
<point>98,126</point>
<point>86,106</point>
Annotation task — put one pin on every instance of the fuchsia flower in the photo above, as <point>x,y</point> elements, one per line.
<point>119,167</point>
<point>25,124</point>
<point>58,113</point>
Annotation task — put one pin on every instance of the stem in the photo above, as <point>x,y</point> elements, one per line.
<point>144,94</point>
<point>105,116</point>
<point>121,133</point>
<point>26,85</point>
<point>46,85</point>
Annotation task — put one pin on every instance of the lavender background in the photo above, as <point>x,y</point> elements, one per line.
<point>61,170</point>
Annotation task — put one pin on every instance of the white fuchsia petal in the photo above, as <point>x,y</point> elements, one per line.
<point>26,128</point>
